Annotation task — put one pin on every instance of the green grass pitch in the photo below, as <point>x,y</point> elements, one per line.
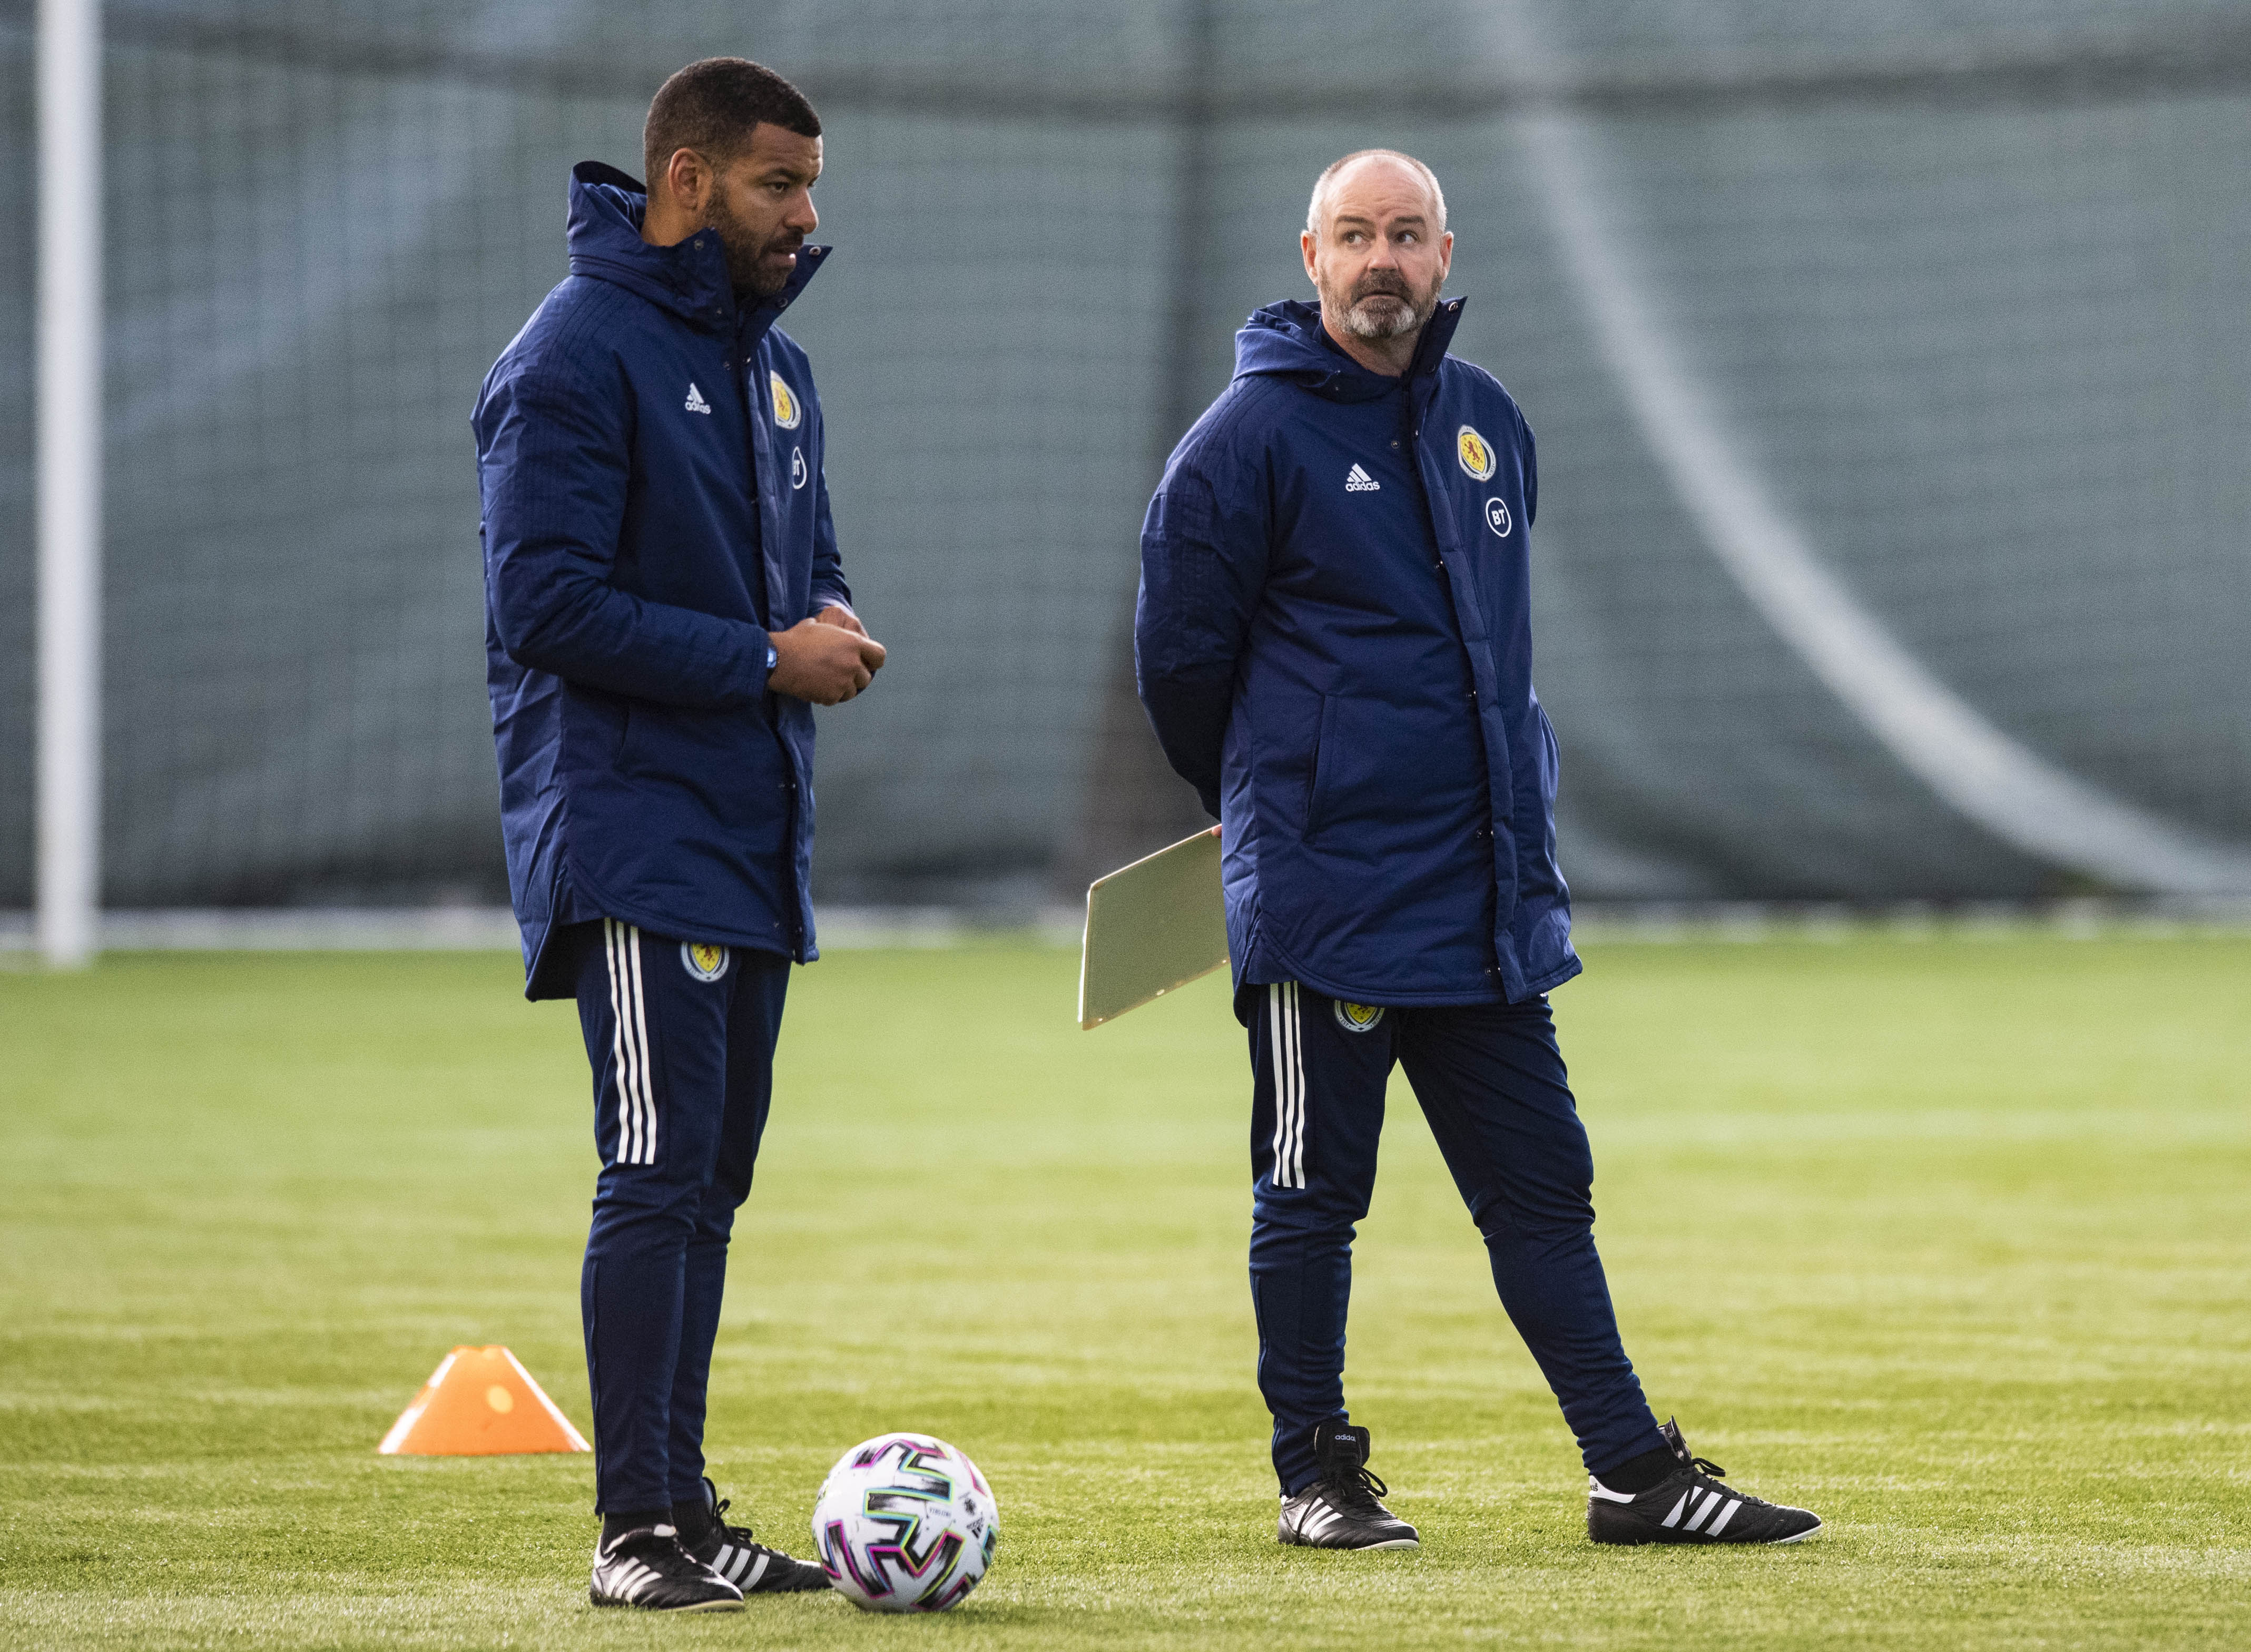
<point>1949,1238</point>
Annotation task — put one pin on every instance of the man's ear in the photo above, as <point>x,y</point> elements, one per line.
<point>1306,249</point>
<point>686,179</point>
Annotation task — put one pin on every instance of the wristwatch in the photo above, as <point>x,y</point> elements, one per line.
<point>773,657</point>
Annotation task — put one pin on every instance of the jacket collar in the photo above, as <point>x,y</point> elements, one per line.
<point>1286,341</point>
<point>689,280</point>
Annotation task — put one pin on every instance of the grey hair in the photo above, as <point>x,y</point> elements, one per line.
<point>1328,177</point>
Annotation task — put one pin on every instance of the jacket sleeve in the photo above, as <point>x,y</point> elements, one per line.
<point>1203,565</point>
<point>1531,472</point>
<point>554,455</point>
<point>828,587</point>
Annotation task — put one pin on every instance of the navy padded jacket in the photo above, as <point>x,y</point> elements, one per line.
<point>650,460</point>
<point>1333,642</point>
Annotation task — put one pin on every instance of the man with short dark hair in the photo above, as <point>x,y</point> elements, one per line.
<point>1334,641</point>
<point>665,605</point>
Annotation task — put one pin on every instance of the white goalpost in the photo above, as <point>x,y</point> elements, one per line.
<point>69,826</point>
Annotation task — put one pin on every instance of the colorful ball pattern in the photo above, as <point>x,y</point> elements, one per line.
<point>905,1522</point>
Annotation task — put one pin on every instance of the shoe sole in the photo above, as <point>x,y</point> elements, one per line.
<point>1357,1548</point>
<point>1704,1543</point>
<point>693,1605</point>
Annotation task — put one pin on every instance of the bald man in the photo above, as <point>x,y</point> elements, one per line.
<point>1333,642</point>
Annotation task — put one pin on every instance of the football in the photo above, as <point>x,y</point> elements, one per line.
<point>905,1522</point>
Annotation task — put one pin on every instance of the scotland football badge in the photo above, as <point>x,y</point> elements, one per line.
<point>1358,1018</point>
<point>1475,453</point>
<point>703,960</point>
<point>787,412</point>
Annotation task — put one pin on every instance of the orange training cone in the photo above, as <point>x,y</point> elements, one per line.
<point>480,1403</point>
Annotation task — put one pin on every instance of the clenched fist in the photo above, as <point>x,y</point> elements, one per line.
<point>826,660</point>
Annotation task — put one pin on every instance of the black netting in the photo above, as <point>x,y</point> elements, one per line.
<point>1969,287</point>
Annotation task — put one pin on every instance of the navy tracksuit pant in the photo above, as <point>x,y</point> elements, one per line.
<point>680,1036</point>
<point>1490,1080</point>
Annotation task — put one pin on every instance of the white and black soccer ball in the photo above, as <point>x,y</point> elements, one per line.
<point>905,1523</point>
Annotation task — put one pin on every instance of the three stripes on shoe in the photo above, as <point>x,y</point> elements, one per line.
<point>1705,1502</point>
<point>626,1579</point>
<point>1696,1503</point>
<point>742,1567</point>
<point>1319,1521</point>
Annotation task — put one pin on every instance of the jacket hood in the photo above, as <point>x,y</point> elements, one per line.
<point>1285,341</point>
<point>689,280</point>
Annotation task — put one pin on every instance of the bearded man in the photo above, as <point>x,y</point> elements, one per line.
<point>665,605</point>
<point>1333,643</point>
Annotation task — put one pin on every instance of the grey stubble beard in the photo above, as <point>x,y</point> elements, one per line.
<point>1408,316</point>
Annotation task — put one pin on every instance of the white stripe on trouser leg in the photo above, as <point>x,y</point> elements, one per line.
<point>629,1045</point>
<point>1275,1066</point>
<point>1284,1087</point>
<point>634,1054</point>
<point>1285,1098</point>
<point>641,1038</point>
<point>1281,1084</point>
<point>620,1063</point>
<point>1298,1062</point>
<point>1297,1040</point>
<point>637,1053</point>
<point>1286,1030</point>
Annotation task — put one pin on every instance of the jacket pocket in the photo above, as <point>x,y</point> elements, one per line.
<point>1322,721</point>
<point>593,734</point>
<point>728,761</point>
<point>1389,777</point>
<point>1551,761</point>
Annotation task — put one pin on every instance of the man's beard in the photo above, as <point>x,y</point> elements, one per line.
<point>1378,321</point>
<point>745,252</point>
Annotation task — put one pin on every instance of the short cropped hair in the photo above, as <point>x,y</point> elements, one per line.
<point>710,107</point>
<point>1328,175</point>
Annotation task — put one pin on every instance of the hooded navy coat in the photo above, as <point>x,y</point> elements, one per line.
<point>650,460</point>
<point>1334,641</point>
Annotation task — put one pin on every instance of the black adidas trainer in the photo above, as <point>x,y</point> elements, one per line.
<point>752,1568</point>
<point>1690,1506</point>
<point>647,1568</point>
<point>1340,1510</point>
